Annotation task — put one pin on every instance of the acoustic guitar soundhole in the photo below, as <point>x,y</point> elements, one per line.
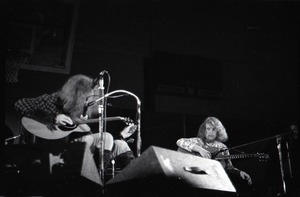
<point>67,127</point>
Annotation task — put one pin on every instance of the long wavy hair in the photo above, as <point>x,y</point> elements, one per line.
<point>74,93</point>
<point>216,123</point>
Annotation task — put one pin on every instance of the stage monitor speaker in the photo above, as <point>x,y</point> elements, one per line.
<point>42,167</point>
<point>193,171</point>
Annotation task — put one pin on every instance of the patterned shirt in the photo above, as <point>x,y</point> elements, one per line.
<point>44,109</point>
<point>188,144</point>
<point>46,106</point>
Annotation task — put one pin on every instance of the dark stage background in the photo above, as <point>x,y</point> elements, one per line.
<point>185,60</point>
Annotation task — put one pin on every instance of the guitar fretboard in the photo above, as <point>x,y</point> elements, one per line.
<point>243,156</point>
<point>88,121</point>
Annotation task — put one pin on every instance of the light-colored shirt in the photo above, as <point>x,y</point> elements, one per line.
<point>188,144</point>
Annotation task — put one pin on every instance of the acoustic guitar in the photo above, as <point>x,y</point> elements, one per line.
<point>41,130</point>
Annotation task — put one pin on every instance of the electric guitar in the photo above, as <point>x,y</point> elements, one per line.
<point>220,157</point>
<point>41,130</point>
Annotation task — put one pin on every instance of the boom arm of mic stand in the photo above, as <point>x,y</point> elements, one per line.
<point>139,139</point>
<point>278,141</point>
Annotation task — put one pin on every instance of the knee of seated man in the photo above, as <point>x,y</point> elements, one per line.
<point>93,140</point>
<point>88,140</point>
<point>120,147</point>
<point>109,141</point>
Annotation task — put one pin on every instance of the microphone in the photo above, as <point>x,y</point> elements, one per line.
<point>294,129</point>
<point>96,80</point>
<point>84,115</point>
<point>85,108</point>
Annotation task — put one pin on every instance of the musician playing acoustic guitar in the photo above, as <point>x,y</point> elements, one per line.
<point>64,108</point>
<point>211,136</point>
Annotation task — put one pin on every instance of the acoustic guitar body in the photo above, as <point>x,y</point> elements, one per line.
<point>38,132</point>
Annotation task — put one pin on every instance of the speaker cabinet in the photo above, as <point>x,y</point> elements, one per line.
<point>169,168</point>
<point>52,169</point>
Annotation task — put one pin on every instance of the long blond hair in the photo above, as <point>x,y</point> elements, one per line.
<point>216,123</point>
<point>73,94</point>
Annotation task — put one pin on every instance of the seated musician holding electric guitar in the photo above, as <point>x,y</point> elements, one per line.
<point>55,116</point>
<point>209,143</point>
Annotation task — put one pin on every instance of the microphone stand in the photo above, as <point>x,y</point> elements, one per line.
<point>279,148</point>
<point>278,141</point>
<point>11,138</point>
<point>101,111</point>
<point>138,116</point>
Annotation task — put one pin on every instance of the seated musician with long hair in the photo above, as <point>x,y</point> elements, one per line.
<point>65,108</point>
<point>210,139</point>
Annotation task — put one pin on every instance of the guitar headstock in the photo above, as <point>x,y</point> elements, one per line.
<point>263,156</point>
<point>128,130</point>
<point>127,120</point>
